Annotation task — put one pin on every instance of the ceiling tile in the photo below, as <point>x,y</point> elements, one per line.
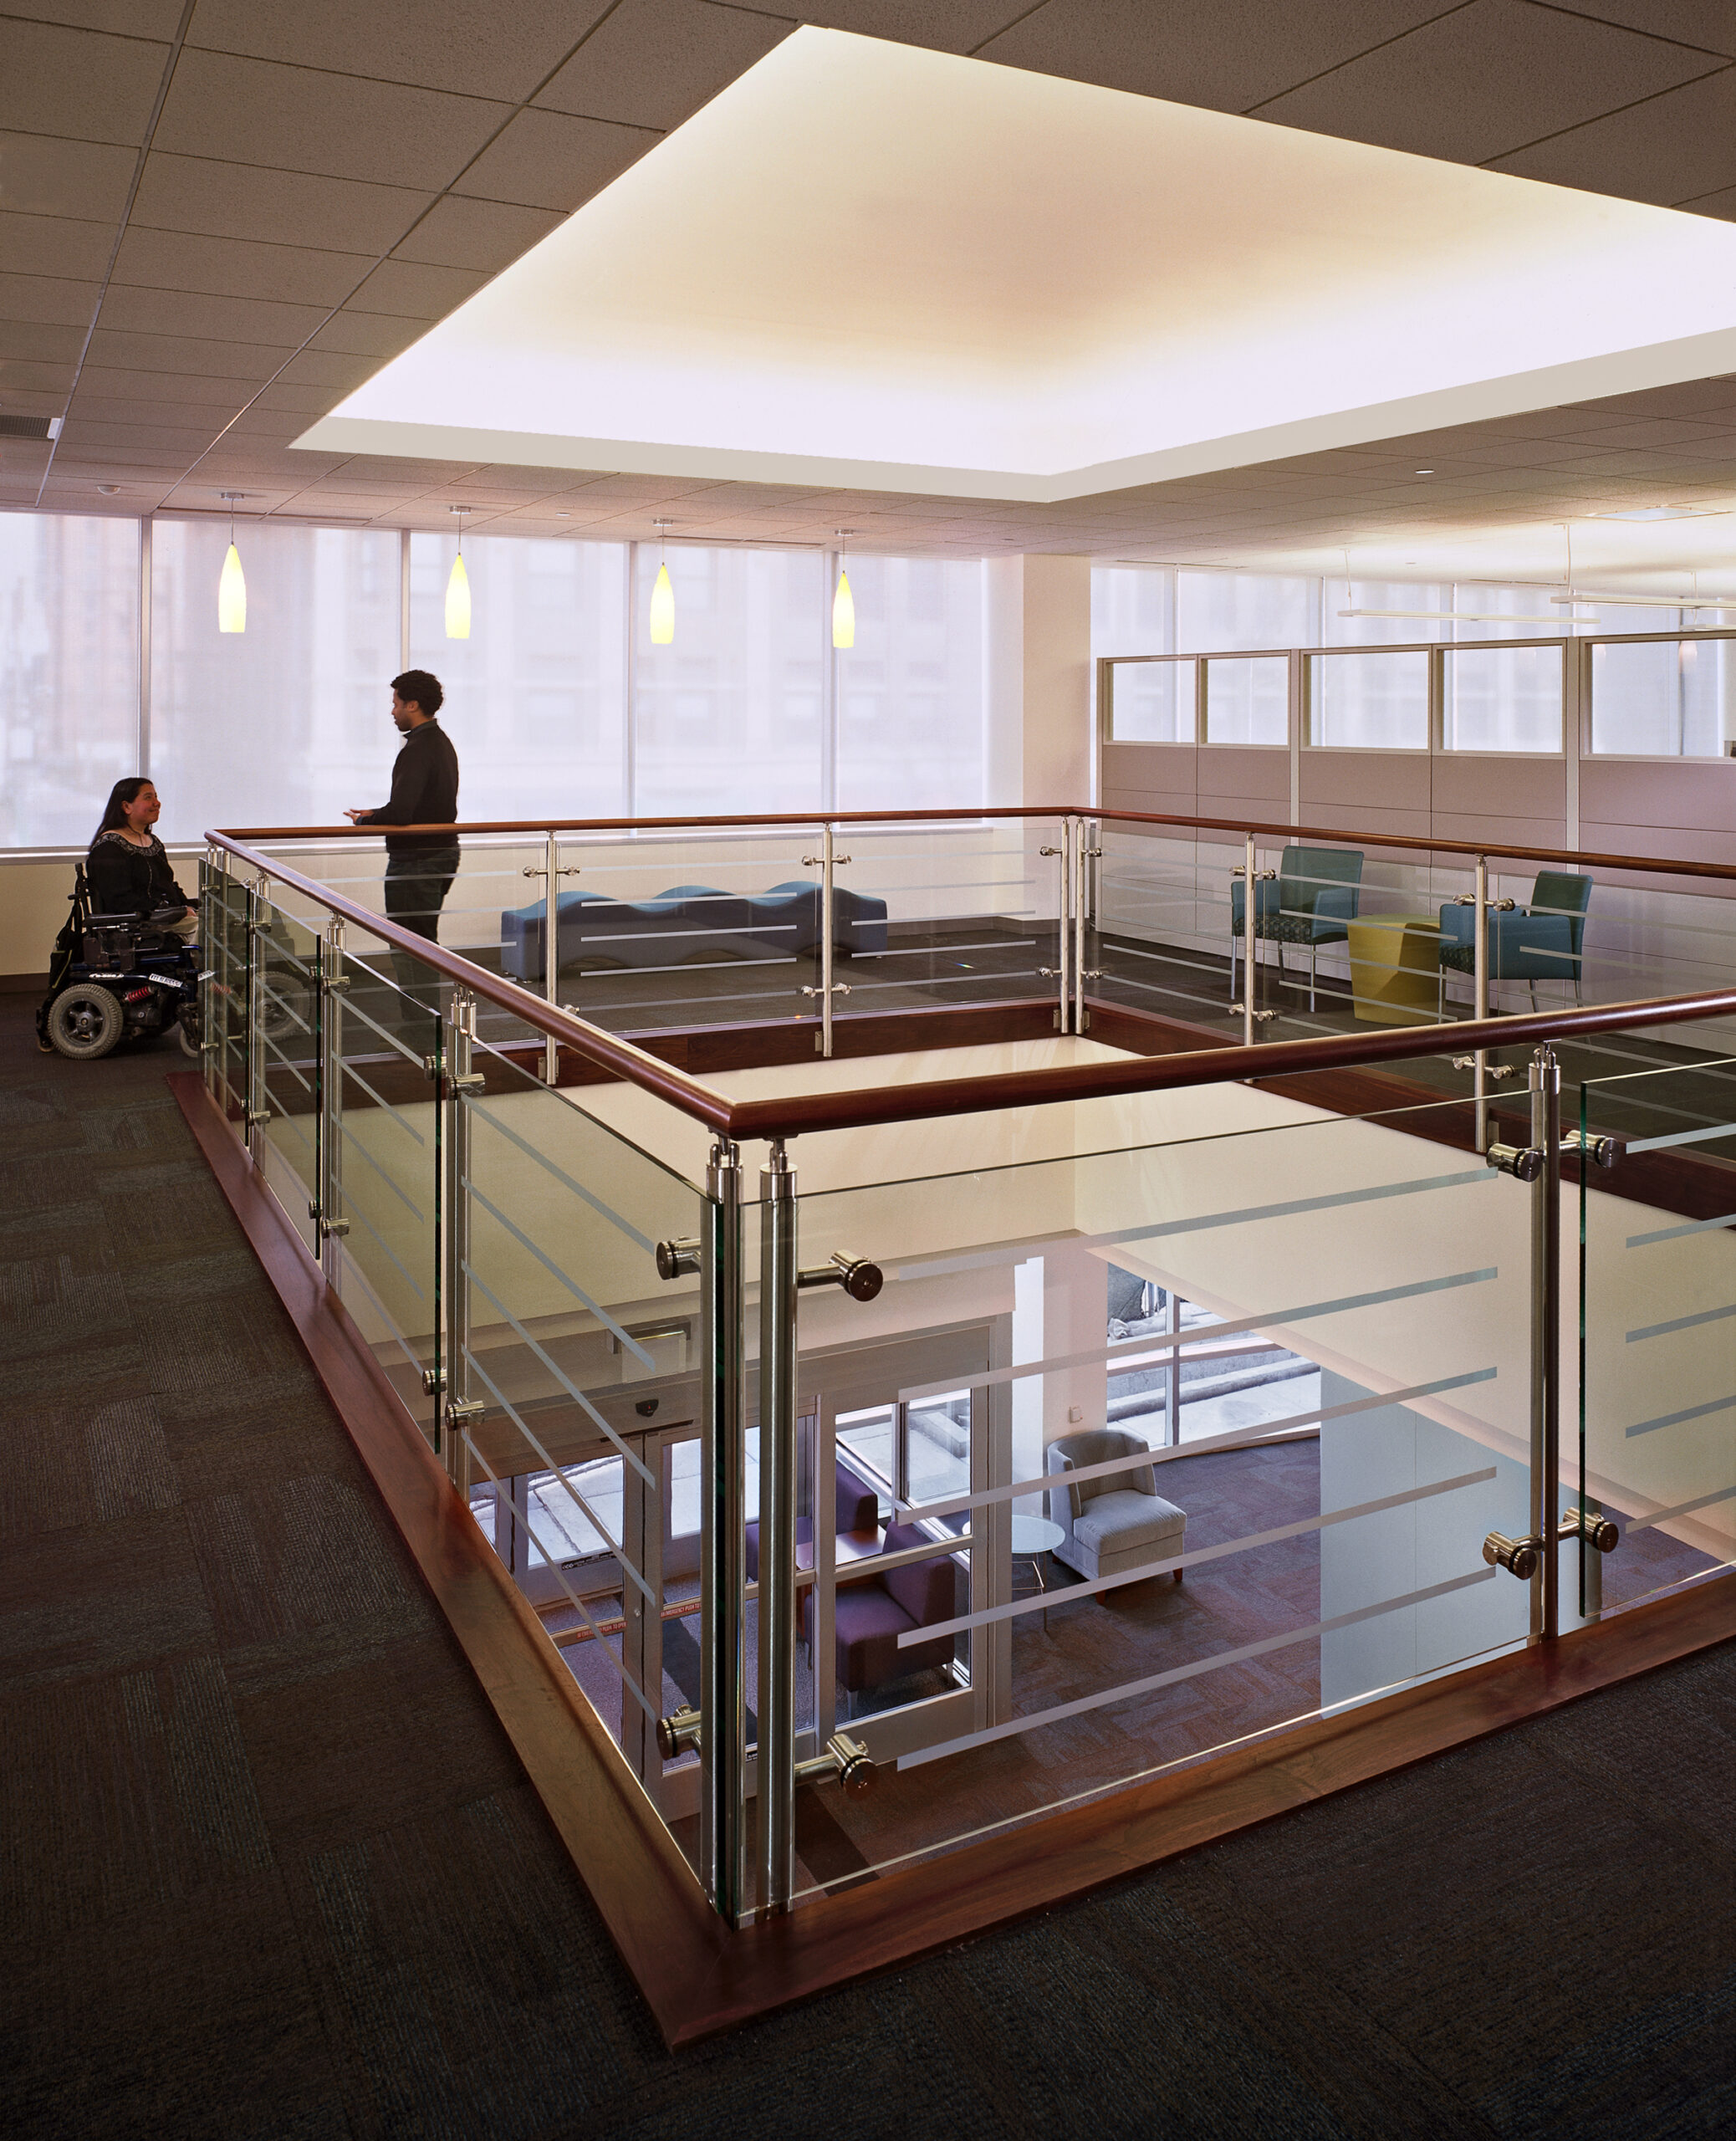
<point>485,235</point>
<point>1226,57</point>
<point>369,334</point>
<point>41,175</point>
<point>216,360</point>
<point>130,309</point>
<point>149,19</point>
<point>1708,23</point>
<point>546,159</point>
<point>294,118</point>
<point>22,375</point>
<point>942,25</point>
<point>277,207</point>
<point>1678,147</point>
<point>238,268</point>
<point>408,289</point>
<point>1485,79</point>
<point>473,47</point>
<point>90,408</point>
<point>27,401</point>
<point>55,81</point>
<point>653,63</point>
<point>329,368</point>
<point>302,401</point>
<point>35,341</point>
<point>90,438</point>
<point>47,300</point>
<point>135,384</point>
<point>1722,204</point>
<point>55,245</point>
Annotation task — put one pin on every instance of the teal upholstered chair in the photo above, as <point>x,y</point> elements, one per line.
<point>1542,941</point>
<point>1313,897</point>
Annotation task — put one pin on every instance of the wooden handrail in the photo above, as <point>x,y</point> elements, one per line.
<point>1653,864</point>
<point>791,1115</point>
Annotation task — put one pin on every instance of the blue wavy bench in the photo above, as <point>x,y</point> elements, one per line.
<point>686,922</point>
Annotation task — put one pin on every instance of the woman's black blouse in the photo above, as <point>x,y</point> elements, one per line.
<point>128,880</point>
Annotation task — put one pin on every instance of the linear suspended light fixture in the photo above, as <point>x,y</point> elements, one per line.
<point>1654,602</point>
<point>1470,616</point>
<point>457,586</point>
<point>232,581</point>
<point>662,601</point>
<point>844,603</point>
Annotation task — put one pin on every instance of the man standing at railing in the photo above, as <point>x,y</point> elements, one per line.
<point>420,867</point>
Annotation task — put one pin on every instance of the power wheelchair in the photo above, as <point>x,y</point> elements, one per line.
<point>116,978</point>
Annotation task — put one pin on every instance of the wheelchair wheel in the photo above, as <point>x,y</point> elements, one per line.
<point>189,1041</point>
<point>85,1021</point>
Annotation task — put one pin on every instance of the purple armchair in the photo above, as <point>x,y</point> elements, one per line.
<point>857,1511</point>
<point>872,1615</point>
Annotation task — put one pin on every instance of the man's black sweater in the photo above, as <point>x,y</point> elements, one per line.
<point>424,791</point>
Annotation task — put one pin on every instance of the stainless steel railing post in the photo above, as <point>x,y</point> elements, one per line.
<point>254,1083</point>
<point>333,982</point>
<point>778,1271</point>
<point>1479,988</point>
<point>1250,943</point>
<point>551,952</point>
<point>455,1230</point>
<point>828,865</point>
<point>1546,1341</point>
<point>723,1460</point>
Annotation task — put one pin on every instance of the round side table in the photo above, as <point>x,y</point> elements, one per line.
<point>1035,1538</point>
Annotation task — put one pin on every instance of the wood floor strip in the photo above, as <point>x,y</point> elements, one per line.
<point>699,1978</point>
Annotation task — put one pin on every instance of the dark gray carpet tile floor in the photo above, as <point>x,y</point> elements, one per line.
<point>269,1872</point>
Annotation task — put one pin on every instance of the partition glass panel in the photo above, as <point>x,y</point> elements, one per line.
<point>1248,700</point>
<point>1056,1609</point>
<point>1502,698</point>
<point>1657,1296</point>
<point>1153,702</point>
<point>223,1006</point>
<point>1663,698</point>
<point>1375,701</point>
<point>928,916</point>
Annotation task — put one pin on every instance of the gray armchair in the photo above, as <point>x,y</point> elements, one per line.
<point>1115,1522</point>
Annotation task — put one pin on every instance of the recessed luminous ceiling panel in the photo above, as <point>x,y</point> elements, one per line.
<point>871,265</point>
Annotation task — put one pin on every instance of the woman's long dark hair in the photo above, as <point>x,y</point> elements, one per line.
<point>119,795</point>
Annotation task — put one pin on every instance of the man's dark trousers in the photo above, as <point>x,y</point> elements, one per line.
<point>416,883</point>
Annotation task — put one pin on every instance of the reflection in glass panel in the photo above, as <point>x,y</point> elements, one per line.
<point>288,723</point>
<point>68,672</point>
<point>910,703</point>
<point>1152,703</point>
<point>1502,699</point>
<point>1245,609</point>
<point>533,696</point>
<point>1370,702</point>
<point>731,710</point>
<point>558,1527</point>
<point>1664,698</point>
<point>1247,701</point>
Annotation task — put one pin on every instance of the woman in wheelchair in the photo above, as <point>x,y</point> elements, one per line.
<point>128,866</point>
<point>124,967</point>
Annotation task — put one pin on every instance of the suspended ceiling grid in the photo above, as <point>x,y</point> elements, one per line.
<point>164,167</point>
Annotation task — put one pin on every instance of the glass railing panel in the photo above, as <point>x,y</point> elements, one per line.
<point>382,1120</point>
<point>287,1008</point>
<point>1162,945</point>
<point>576,1371</point>
<point>1360,1290</point>
<point>1657,1453</point>
<point>677,932</point>
<point>223,995</point>
<point>931,916</point>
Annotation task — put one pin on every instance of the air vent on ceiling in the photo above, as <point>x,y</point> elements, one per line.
<point>42,428</point>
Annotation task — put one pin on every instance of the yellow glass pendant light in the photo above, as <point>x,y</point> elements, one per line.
<point>662,601</point>
<point>231,582</point>
<point>844,603</point>
<point>457,587</point>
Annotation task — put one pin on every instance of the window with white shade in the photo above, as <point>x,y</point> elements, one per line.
<point>68,673</point>
<point>1502,698</point>
<point>1369,700</point>
<point>289,722</point>
<point>1664,698</point>
<point>533,696</point>
<point>912,715</point>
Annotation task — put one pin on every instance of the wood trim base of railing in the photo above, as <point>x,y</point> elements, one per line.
<point>696,1975</point>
